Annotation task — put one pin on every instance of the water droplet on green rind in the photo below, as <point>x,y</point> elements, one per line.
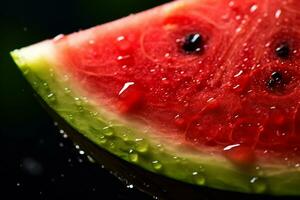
<point>133,157</point>
<point>141,145</point>
<point>198,178</point>
<point>156,165</point>
<point>258,185</point>
<point>108,131</point>
<point>102,140</point>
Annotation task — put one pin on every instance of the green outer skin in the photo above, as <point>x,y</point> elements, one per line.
<point>133,145</point>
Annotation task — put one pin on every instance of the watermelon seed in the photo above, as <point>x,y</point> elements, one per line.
<point>283,50</point>
<point>275,80</point>
<point>193,43</point>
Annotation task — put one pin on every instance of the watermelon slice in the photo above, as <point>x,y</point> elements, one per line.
<point>202,91</point>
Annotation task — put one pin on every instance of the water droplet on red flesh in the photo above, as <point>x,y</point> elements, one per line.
<point>130,97</point>
<point>240,155</point>
<point>230,93</point>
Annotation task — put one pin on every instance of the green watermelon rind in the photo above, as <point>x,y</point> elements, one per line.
<point>148,151</point>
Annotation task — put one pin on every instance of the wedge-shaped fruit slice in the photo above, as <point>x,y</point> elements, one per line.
<point>202,91</point>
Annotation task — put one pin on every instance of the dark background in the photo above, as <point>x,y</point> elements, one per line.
<point>36,161</point>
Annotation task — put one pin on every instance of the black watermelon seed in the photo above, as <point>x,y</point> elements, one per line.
<point>275,80</point>
<point>193,43</point>
<point>283,50</point>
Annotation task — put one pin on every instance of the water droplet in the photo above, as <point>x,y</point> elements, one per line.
<point>141,145</point>
<point>156,165</point>
<point>70,116</point>
<point>91,41</point>
<point>130,97</point>
<point>227,148</point>
<point>108,131</point>
<point>253,8</point>
<point>278,13</point>
<point>51,97</point>
<point>239,29</point>
<point>231,4</point>
<point>133,157</point>
<point>125,87</point>
<point>81,152</point>
<point>58,37</point>
<point>238,74</point>
<point>198,178</point>
<point>90,159</point>
<point>102,140</point>
<point>130,186</point>
<point>258,185</point>
<point>240,154</point>
<point>67,90</point>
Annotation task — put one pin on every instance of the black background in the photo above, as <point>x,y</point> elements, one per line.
<point>36,161</point>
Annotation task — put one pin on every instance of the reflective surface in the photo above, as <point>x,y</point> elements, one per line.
<point>36,160</point>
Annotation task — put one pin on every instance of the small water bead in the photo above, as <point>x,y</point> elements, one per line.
<point>58,37</point>
<point>258,185</point>
<point>102,140</point>
<point>130,186</point>
<point>108,131</point>
<point>278,13</point>
<point>157,165</point>
<point>193,43</point>
<point>91,159</point>
<point>81,152</point>
<point>239,154</point>
<point>67,90</point>
<point>130,97</point>
<point>198,178</point>
<point>70,117</point>
<point>231,4</point>
<point>253,8</point>
<point>141,145</point>
<point>51,97</point>
<point>133,157</point>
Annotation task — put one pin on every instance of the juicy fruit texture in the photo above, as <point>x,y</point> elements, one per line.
<point>218,73</point>
<point>216,81</point>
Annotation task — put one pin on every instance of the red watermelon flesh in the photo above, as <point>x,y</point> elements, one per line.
<point>239,87</point>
